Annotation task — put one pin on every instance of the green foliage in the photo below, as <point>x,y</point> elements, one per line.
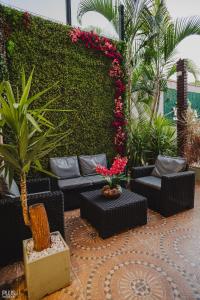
<point>84,84</point>
<point>3,68</point>
<point>162,138</point>
<point>32,135</point>
<point>10,47</point>
<point>147,140</point>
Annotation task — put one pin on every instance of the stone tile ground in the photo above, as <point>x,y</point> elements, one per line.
<point>160,260</point>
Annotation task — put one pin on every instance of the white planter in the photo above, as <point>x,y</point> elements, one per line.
<point>46,274</point>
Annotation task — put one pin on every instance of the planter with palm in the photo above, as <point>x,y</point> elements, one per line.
<point>32,137</point>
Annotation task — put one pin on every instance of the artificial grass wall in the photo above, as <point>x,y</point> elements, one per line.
<point>84,84</point>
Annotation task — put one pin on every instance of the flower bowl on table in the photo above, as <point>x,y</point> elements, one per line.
<point>113,177</point>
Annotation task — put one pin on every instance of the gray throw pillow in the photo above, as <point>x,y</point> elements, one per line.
<point>65,167</point>
<point>14,190</point>
<point>88,163</point>
<point>6,190</point>
<point>168,165</point>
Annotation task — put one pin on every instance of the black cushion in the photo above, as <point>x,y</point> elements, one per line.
<point>75,183</point>
<point>88,163</point>
<point>168,165</point>
<point>65,167</point>
<point>97,179</point>
<point>151,181</point>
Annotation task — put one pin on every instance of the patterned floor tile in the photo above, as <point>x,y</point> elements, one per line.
<point>160,260</point>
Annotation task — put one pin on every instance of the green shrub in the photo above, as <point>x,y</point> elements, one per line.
<point>146,141</point>
<point>84,84</point>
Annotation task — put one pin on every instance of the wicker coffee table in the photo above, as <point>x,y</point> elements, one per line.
<point>112,216</point>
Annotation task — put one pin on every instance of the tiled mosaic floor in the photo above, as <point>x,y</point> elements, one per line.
<point>158,261</point>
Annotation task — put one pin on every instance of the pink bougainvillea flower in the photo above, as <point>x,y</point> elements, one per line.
<point>106,46</point>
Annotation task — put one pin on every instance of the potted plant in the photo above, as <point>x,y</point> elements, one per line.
<point>32,136</point>
<point>113,176</point>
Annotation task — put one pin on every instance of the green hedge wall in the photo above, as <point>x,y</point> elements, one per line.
<point>84,84</point>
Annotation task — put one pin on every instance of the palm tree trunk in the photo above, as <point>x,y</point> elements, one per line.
<point>24,199</point>
<point>39,227</point>
<point>156,100</point>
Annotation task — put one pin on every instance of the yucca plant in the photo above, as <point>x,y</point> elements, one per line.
<point>32,136</point>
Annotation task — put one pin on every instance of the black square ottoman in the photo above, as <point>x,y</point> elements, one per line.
<point>112,216</point>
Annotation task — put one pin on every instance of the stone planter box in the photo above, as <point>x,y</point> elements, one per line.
<point>197,172</point>
<point>46,274</point>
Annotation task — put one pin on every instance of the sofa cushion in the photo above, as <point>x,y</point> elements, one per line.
<point>97,179</point>
<point>75,183</point>
<point>88,163</point>
<point>65,167</point>
<point>168,165</point>
<point>6,190</point>
<point>151,181</point>
<point>14,190</point>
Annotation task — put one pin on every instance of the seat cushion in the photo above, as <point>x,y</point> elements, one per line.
<point>88,163</point>
<point>97,179</point>
<point>151,181</point>
<point>168,165</point>
<point>75,183</point>
<point>65,167</point>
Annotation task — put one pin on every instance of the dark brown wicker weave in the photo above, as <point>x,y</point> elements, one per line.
<point>111,216</point>
<point>176,193</point>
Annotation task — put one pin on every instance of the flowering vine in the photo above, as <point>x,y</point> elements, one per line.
<point>93,41</point>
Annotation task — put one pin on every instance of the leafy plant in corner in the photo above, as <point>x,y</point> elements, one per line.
<point>32,135</point>
<point>146,140</point>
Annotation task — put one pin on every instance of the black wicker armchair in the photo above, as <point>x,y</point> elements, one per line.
<point>167,195</point>
<point>12,228</point>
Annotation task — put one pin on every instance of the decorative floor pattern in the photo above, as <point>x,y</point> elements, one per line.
<point>160,260</point>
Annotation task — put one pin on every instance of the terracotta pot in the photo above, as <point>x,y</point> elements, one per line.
<point>111,193</point>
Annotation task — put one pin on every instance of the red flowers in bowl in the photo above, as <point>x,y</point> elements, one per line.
<point>115,173</point>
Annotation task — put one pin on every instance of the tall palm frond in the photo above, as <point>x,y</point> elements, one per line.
<point>107,8</point>
<point>176,32</point>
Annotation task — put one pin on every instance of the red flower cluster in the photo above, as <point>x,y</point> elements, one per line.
<point>115,70</point>
<point>117,167</point>
<point>26,19</point>
<point>93,41</point>
<point>120,138</point>
<point>118,111</point>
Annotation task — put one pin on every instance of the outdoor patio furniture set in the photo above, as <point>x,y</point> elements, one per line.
<point>167,187</point>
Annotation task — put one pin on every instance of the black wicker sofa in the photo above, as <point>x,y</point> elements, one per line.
<point>167,193</point>
<point>76,175</point>
<point>12,228</point>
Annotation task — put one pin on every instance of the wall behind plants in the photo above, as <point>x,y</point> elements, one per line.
<point>84,84</point>
<point>170,98</point>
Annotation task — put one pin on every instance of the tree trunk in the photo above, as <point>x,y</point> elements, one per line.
<point>156,100</point>
<point>24,199</point>
<point>39,227</point>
